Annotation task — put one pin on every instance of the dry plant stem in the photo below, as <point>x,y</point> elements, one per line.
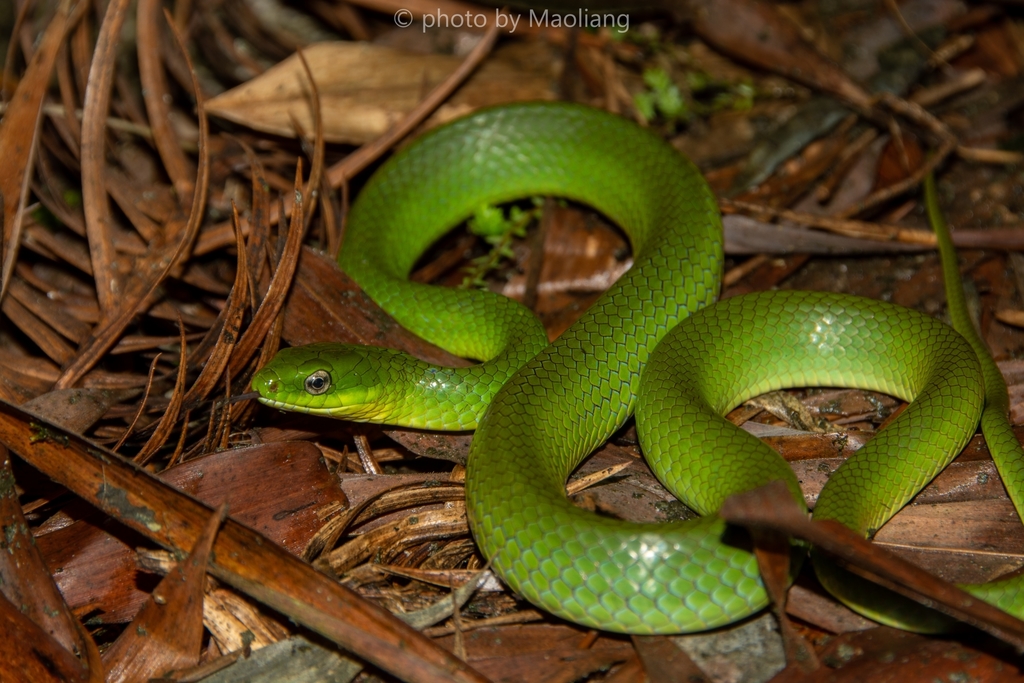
<point>69,102</point>
<point>81,49</point>
<point>95,203</point>
<point>952,48</point>
<point>206,446</point>
<point>522,617</point>
<point>989,156</point>
<point>259,225</point>
<point>19,133</point>
<point>170,416</point>
<point>223,431</point>
<point>158,268</point>
<point>279,286</point>
<point>398,498</point>
<point>230,326</point>
<point>51,343</point>
<point>908,31</point>
<point>734,275</point>
<point>312,190</point>
<point>536,262</point>
<point>367,154</point>
<point>12,51</point>
<point>947,549</point>
<point>841,226</point>
<point>332,231</point>
<point>772,507</point>
<point>896,189</point>
<point>179,449</point>
<point>896,134</point>
<point>343,16</point>
<point>1005,238</point>
<point>460,644</point>
<point>242,412</point>
<point>611,91</point>
<point>243,558</point>
<point>915,111</point>
<point>259,233</point>
<point>847,158</point>
<point>917,114</point>
<point>142,405</point>
<point>157,100</point>
<point>575,486</point>
<point>60,111</point>
<point>971,78</point>
<point>370,464</point>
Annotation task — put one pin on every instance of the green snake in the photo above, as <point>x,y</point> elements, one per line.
<point>539,409</point>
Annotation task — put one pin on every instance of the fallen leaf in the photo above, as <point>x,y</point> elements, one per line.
<point>365,89</point>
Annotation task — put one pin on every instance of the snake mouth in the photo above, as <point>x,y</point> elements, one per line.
<point>299,408</point>
<point>282,405</point>
<point>353,413</point>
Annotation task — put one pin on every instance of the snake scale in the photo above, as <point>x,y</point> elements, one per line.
<point>539,409</point>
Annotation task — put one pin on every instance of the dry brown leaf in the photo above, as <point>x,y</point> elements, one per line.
<point>772,507</point>
<point>365,89</point>
<point>885,655</point>
<point>97,558</point>
<point>77,409</point>
<point>758,33</point>
<point>543,653</point>
<point>42,662</point>
<point>24,576</point>
<point>663,661</point>
<point>241,555</point>
<point>18,131</point>
<point>168,633</point>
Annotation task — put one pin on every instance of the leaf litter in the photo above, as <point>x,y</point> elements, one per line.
<point>163,238</point>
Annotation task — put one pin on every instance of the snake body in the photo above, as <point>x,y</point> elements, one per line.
<point>540,409</point>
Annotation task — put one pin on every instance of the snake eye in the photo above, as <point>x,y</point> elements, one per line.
<point>318,383</point>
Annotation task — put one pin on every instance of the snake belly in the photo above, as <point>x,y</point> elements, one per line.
<point>540,409</point>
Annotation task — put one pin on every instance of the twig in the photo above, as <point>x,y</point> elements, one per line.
<point>772,507</point>
<point>841,226</point>
<point>896,189</point>
<point>370,152</point>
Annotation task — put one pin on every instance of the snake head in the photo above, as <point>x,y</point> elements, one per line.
<point>336,380</point>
